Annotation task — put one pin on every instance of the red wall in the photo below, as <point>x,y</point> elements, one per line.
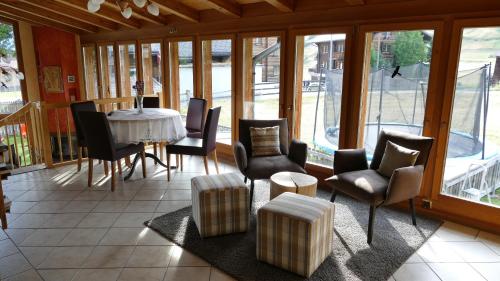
<point>57,48</point>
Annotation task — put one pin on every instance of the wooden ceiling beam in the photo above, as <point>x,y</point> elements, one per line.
<point>49,15</point>
<point>73,13</point>
<point>140,13</point>
<point>226,7</point>
<point>105,12</point>
<point>282,5</point>
<point>17,15</point>
<point>355,2</point>
<point>179,9</point>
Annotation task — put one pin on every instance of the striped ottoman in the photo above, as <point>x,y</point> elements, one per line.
<point>295,232</point>
<point>220,204</point>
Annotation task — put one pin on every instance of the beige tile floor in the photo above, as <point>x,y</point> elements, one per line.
<point>59,230</point>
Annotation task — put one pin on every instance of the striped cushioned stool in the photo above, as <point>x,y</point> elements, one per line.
<point>295,232</point>
<point>220,204</point>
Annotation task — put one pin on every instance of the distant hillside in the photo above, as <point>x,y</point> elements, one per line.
<point>479,47</point>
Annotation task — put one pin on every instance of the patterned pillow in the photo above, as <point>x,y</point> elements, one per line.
<point>265,141</point>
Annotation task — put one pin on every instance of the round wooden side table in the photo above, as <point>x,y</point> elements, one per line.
<point>293,182</point>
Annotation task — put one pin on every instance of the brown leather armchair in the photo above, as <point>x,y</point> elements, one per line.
<point>353,176</point>
<point>293,157</point>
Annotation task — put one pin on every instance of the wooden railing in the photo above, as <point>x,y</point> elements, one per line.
<point>44,133</point>
<point>22,139</point>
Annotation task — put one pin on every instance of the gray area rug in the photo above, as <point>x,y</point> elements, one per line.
<point>395,240</point>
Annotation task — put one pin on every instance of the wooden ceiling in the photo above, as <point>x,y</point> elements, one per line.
<point>72,15</point>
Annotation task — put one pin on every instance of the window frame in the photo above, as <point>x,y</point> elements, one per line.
<point>140,66</point>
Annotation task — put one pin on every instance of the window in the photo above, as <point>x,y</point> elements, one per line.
<point>11,97</point>
<point>325,49</point>
<point>151,68</point>
<point>217,82</point>
<point>108,72</point>
<point>396,91</point>
<point>261,86</point>
<point>318,97</point>
<point>128,69</point>
<point>90,70</point>
<point>181,75</point>
<point>472,169</point>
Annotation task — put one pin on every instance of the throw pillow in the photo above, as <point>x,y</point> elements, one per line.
<point>395,157</point>
<point>265,141</point>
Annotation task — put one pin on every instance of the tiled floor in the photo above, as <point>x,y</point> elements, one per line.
<point>59,230</point>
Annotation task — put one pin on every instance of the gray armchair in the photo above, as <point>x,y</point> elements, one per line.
<point>353,176</point>
<point>293,157</point>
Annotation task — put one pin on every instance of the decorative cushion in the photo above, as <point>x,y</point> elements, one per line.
<point>220,204</point>
<point>295,232</point>
<point>265,141</point>
<point>396,156</point>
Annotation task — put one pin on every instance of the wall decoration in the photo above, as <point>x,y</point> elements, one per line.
<point>52,79</point>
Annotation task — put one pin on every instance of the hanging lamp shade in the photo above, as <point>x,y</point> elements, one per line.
<point>153,9</point>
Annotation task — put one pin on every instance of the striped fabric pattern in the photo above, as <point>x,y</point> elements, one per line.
<point>220,204</point>
<point>265,141</point>
<point>295,232</point>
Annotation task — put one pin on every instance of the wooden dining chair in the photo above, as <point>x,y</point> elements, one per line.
<point>101,144</point>
<point>198,147</point>
<point>80,138</point>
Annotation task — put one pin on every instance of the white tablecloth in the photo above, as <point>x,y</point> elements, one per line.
<point>154,124</point>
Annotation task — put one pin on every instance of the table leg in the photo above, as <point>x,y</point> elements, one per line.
<point>148,155</point>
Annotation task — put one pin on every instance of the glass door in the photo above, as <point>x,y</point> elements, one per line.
<point>181,72</point>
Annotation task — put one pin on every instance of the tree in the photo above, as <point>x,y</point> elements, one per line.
<point>7,46</point>
<point>410,48</point>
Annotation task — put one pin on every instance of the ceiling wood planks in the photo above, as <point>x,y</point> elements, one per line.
<point>355,2</point>
<point>48,15</point>
<point>53,6</point>
<point>282,5</point>
<point>226,7</point>
<point>139,13</point>
<point>179,9</point>
<point>10,13</point>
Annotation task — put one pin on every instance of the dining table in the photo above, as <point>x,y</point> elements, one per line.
<point>152,125</point>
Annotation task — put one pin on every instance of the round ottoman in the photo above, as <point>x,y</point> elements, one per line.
<point>293,182</point>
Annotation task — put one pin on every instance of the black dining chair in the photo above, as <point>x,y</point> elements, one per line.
<point>101,144</point>
<point>149,102</point>
<point>198,147</point>
<point>195,118</point>
<point>80,138</point>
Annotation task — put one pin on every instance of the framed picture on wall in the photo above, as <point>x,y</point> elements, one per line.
<point>52,79</point>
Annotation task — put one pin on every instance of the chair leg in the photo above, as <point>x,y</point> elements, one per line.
<point>412,210</point>
<point>370,223</point>
<point>182,162</point>
<point>143,163</point>
<point>246,179</point>
<point>162,145</point>
<point>252,185</point>
<point>113,171</point>
<point>128,163</point>
<point>79,162</point>
<point>334,195</point>
<point>3,214</point>
<point>119,164</point>
<point>155,151</point>
<point>106,168</point>
<point>91,171</point>
<point>205,161</point>
<point>168,166</point>
<point>216,161</point>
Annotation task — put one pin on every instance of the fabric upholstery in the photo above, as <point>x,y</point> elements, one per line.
<point>265,141</point>
<point>348,160</point>
<point>405,183</point>
<point>265,167</point>
<point>196,146</point>
<point>240,155</point>
<point>100,143</point>
<point>367,185</point>
<point>149,102</point>
<point>220,204</point>
<point>298,152</point>
<point>196,117</point>
<point>246,140</point>
<point>396,156</point>
<point>414,142</point>
<point>295,232</point>
<point>79,107</point>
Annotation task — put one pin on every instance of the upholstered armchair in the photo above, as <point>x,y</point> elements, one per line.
<point>355,178</point>
<point>293,156</point>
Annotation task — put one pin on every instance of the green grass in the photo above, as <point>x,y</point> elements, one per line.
<point>495,199</point>
<point>22,151</point>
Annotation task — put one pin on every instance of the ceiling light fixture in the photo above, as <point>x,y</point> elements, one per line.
<point>92,6</point>
<point>125,9</point>
<point>153,9</point>
<point>140,3</point>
